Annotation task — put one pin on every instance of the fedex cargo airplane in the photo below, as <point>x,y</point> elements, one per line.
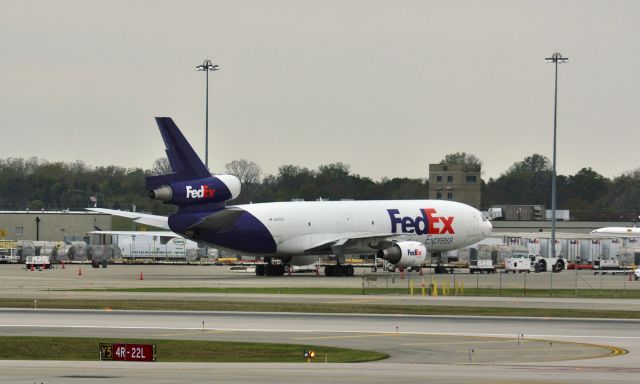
<point>631,231</point>
<point>399,231</point>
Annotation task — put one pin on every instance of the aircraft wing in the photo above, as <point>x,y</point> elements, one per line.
<point>140,218</point>
<point>168,234</point>
<point>353,242</point>
<point>219,221</point>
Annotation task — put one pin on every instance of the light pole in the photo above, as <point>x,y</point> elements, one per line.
<point>206,66</point>
<point>556,58</point>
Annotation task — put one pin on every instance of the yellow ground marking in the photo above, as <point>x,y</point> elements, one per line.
<point>548,349</point>
<point>466,342</point>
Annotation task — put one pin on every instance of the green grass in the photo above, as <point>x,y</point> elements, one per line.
<point>543,292</point>
<point>508,292</point>
<point>83,348</point>
<point>195,305</point>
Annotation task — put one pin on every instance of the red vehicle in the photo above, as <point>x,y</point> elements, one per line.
<point>580,266</point>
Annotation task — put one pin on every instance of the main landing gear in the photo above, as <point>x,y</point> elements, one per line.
<point>338,270</point>
<point>269,269</point>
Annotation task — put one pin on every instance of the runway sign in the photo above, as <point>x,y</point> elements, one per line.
<point>128,352</point>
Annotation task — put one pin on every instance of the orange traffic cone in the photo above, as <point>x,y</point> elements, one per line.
<point>141,276</point>
<point>32,267</point>
<point>421,273</point>
<point>62,261</point>
<point>290,268</point>
<point>80,271</point>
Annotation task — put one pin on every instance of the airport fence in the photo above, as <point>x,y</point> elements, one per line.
<point>545,284</point>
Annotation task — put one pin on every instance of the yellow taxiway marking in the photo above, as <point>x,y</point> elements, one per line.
<point>194,333</point>
<point>554,349</point>
<point>349,336</point>
<point>466,342</point>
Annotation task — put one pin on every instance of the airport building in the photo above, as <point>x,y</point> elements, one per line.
<point>455,182</point>
<point>51,225</point>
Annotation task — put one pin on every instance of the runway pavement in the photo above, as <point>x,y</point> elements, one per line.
<point>15,282</point>
<point>14,277</point>
<point>422,347</point>
<point>55,372</point>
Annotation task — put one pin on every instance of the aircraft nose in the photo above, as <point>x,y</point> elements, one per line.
<point>487,227</point>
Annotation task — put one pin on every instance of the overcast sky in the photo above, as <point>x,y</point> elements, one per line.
<point>385,86</point>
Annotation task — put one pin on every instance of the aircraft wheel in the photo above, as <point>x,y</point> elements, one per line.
<point>328,270</point>
<point>260,270</point>
<point>349,271</point>
<point>269,270</point>
<point>339,271</point>
<point>279,270</point>
<point>374,269</point>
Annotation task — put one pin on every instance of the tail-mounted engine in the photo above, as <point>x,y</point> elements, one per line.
<point>404,253</point>
<point>212,189</point>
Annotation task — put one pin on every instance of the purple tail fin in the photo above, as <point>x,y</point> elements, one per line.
<point>185,163</point>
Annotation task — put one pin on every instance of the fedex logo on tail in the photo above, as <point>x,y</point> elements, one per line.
<point>204,192</point>
<point>427,223</point>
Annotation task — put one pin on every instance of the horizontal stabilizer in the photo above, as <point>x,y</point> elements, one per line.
<point>140,218</point>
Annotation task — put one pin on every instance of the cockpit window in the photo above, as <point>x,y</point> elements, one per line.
<point>484,216</point>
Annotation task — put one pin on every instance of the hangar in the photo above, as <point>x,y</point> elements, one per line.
<point>51,225</point>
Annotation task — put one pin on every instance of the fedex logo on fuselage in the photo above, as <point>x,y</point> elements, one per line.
<point>428,223</point>
<point>204,192</point>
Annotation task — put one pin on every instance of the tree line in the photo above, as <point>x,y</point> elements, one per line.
<point>36,184</point>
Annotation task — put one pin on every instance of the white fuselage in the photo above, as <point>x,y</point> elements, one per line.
<point>297,227</point>
<point>618,230</point>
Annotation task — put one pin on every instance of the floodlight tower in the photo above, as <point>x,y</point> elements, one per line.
<point>206,66</point>
<point>556,59</point>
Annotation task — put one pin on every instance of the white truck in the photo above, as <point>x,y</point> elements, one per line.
<point>9,255</point>
<point>549,264</point>
<point>38,262</point>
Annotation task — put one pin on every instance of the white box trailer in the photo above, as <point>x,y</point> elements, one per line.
<point>38,262</point>
<point>482,266</point>
<point>519,263</point>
